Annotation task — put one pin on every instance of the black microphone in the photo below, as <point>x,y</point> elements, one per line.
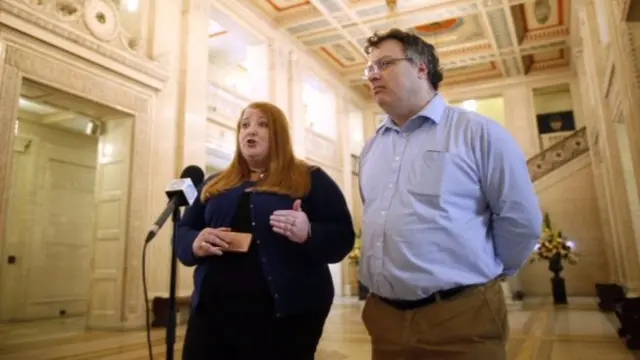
<point>181,192</point>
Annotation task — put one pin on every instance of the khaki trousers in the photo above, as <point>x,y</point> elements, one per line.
<point>472,325</point>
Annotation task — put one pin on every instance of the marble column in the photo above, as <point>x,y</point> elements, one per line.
<point>626,45</point>
<point>192,101</point>
<point>258,68</point>
<point>518,110</point>
<point>594,59</point>
<point>177,40</point>
<point>279,58</point>
<point>192,110</point>
<point>165,36</point>
<point>344,152</point>
<point>603,194</point>
<point>297,118</point>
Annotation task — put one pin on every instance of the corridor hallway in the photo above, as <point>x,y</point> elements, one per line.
<point>539,331</point>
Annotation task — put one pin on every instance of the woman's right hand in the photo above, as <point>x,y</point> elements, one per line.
<point>209,243</point>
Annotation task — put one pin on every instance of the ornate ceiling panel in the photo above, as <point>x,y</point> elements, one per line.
<point>476,39</point>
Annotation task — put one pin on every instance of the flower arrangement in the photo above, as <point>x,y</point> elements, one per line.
<point>552,242</point>
<point>354,255</point>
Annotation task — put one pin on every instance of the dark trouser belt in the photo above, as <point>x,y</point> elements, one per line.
<point>435,297</point>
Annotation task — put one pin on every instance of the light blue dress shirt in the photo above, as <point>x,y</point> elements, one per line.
<point>447,202</point>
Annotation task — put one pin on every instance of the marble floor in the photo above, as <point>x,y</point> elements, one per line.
<point>538,331</point>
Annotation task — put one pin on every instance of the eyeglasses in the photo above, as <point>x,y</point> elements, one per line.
<point>380,66</point>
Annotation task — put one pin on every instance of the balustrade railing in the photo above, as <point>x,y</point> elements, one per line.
<point>224,104</point>
<point>545,161</point>
<point>558,154</point>
<point>321,147</point>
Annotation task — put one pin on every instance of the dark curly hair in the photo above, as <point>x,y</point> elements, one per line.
<point>415,48</point>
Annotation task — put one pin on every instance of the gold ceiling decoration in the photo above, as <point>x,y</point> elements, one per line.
<point>391,4</point>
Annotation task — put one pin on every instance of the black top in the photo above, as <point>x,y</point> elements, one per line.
<point>237,281</point>
<point>297,275</point>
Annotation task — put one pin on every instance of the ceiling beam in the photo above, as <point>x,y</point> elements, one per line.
<point>513,34</point>
<point>354,17</point>
<point>561,43</point>
<point>337,25</point>
<point>492,37</point>
<point>433,12</point>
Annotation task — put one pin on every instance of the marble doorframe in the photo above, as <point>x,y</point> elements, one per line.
<point>23,57</point>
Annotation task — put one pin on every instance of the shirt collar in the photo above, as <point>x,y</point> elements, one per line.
<point>434,111</point>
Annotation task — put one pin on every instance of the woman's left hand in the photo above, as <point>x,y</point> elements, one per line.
<point>293,224</point>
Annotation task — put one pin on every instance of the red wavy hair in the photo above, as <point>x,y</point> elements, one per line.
<point>285,174</point>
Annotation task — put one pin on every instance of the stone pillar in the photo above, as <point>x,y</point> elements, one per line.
<point>279,76</point>
<point>627,45</point>
<point>165,36</point>
<point>258,68</point>
<point>192,110</point>
<point>587,103</point>
<point>182,51</point>
<point>192,101</point>
<point>594,58</point>
<point>344,151</point>
<point>520,122</point>
<point>297,119</point>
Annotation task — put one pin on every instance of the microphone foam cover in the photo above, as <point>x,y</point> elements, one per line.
<point>194,173</point>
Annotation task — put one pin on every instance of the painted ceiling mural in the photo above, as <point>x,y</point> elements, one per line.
<point>476,40</point>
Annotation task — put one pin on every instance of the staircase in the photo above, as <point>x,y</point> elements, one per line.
<point>565,181</point>
<point>558,154</point>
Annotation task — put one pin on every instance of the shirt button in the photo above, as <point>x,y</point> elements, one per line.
<point>391,185</point>
<point>383,212</point>
<point>257,241</point>
<point>278,315</point>
<point>263,259</point>
<point>275,296</point>
<point>253,224</point>
<point>397,158</point>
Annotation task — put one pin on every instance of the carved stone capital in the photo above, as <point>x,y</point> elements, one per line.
<point>94,26</point>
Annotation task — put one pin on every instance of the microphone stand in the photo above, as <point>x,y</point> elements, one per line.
<point>171,323</point>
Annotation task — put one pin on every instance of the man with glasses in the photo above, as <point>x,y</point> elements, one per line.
<point>449,210</point>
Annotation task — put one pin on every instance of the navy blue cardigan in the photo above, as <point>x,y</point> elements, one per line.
<point>298,274</point>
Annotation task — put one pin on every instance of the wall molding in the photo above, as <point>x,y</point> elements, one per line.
<point>62,70</point>
<point>40,23</point>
